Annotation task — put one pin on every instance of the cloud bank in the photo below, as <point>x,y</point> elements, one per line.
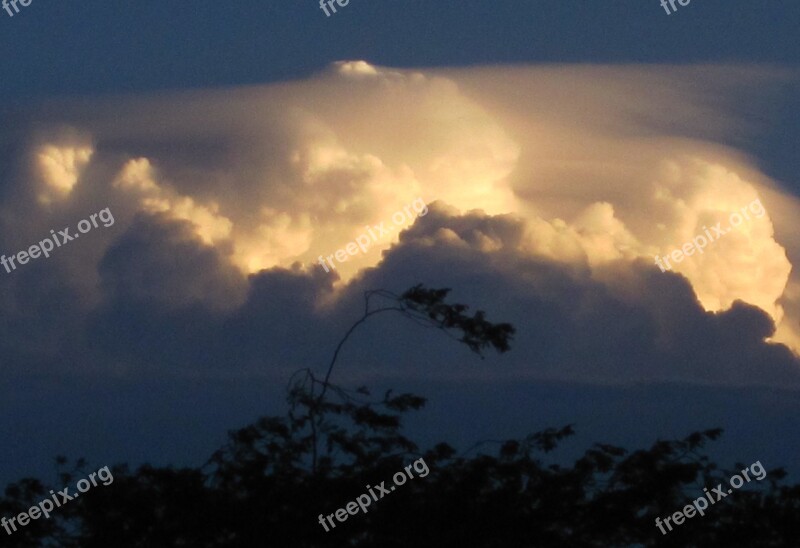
<point>550,189</point>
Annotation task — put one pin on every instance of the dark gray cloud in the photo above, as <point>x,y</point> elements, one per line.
<point>170,305</point>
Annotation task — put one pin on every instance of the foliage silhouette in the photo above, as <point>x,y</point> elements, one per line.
<point>272,479</point>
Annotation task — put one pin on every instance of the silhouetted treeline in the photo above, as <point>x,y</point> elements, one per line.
<point>270,483</point>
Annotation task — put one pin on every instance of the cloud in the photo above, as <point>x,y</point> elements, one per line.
<point>554,190</point>
<point>137,178</point>
<point>619,323</point>
<point>60,168</point>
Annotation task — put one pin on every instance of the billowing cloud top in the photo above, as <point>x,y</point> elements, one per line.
<point>549,192</point>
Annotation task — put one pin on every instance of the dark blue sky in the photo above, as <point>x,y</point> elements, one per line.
<point>93,46</point>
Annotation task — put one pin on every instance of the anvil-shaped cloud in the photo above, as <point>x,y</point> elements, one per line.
<point>581,174</point>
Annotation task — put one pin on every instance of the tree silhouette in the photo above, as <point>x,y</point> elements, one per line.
<point>268,484</point>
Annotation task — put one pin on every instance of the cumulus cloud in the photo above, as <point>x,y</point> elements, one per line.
<point>136,177</point>
<point>556,186</point>
<point>59,169</point>
<point>620,323</point>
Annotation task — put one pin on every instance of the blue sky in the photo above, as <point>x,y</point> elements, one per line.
<point>92,47</point>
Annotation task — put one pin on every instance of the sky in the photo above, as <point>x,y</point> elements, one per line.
<point>535,157</point>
